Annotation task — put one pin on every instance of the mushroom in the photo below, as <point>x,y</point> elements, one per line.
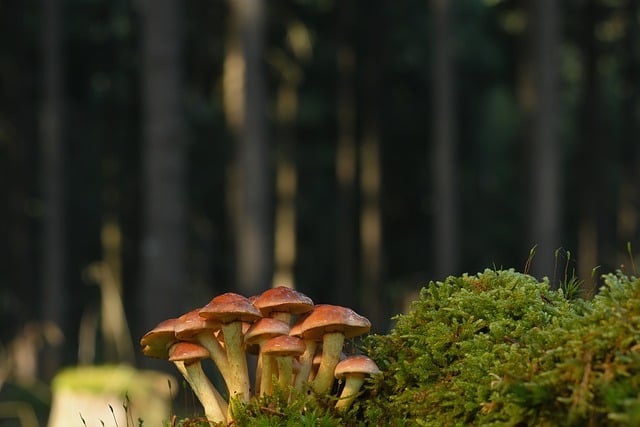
<point>258,334</point>
<point>333,324</point>
<point>192,327</point>
<point>282,302</point>
<point>353,369</point>
<point>187,356</point>
<point>156,342</point>
<point>231,310</point>
<point>283,348</point>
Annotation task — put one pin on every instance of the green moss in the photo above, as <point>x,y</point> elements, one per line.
<point>448,361</point>
<point>502,349</point>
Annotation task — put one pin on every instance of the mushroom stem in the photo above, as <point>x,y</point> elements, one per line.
<point>214,405</point>
<point>266,383</point>
<point>283,316</point>
<point>332,343</point>
<point>237,361</point>
<point>218,355</point>
<point>306,363</point>
<point>352,386</point>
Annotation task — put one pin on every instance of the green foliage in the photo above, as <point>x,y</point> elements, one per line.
<point>278,410</point>
<point>460,354</point>
<point>502,349</point>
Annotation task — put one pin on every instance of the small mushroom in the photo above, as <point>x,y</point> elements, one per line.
<point>187,356</point>
<point>283,348</point>
<point>259,333</point>
<point>282,303</point>
<point>231,310</point>
<point>156,342</point>
<point>353,369</point>
<point>192,327</point>
<point>333,324</point>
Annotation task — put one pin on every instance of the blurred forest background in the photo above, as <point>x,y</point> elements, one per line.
<point>158,153</point>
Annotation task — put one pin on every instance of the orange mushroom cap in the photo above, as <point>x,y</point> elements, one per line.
<point>156,342</point>
<point>230,307</point>
<point>284,345</point>
<point>331,318</point>
<point>187,352</point>
<point>357,364</point>
<point>283,299</point>
<point>190,324</point>
<point>265,328</point>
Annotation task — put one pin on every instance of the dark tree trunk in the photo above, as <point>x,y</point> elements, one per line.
<point>15,107</point>
<point>590,156</point>
<point>253,222</point>
<point>545,143</point>
<point>375,298</point>
<point>346,162</point>
<point>163,256</point>
<point>443,158</point>
<point>53,246</point>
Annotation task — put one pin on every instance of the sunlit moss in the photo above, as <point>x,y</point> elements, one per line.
<point>502,349</point>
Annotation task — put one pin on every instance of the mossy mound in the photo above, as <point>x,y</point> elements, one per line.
<point>500,348</point>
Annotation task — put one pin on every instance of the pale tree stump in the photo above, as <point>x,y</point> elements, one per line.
<point>88,396</point>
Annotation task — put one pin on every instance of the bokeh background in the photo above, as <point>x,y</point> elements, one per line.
<point>157,153</point>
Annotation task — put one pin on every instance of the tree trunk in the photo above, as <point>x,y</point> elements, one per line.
<point>346,162</point>
<point>590,157</point>
<point>444,166</point>
<point>539,99</point>
<point>374,298</point>
<point>53,247</point>
<point>15,108</point>
<point>251,172</point>
<point>628,220</point>
<point>286,175</point>
<point>164,247</point>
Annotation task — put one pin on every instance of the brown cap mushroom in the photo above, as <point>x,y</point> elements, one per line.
<point>156,342</point>
<point>258,334</point>
<point>187,356</point>
<point>231,310</point>
<point>230,307</point>
<point>187,352</point>
<point>192,327</point>
<point>282,302</point>
<point>353,369</point>
<point>332,324</point>
<point>283,348</point>
<point>264,329</point>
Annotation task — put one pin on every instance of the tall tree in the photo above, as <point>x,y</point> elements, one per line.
<point>51,121</point>
<point>443,158</point>
<point>245,104</point>
<point>291,75</point>
<point>591,153</point>
<point>346,160</point>
<point>374,298</point>
<point>163,256</point>
<point>539,93</point>
<point>628,220</point>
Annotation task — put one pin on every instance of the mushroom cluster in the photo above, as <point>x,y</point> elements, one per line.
<point>299,346</point>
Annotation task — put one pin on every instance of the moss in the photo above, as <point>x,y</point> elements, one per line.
<point>112,379</point>
<point>449,361</point>
<point>502,349</point>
